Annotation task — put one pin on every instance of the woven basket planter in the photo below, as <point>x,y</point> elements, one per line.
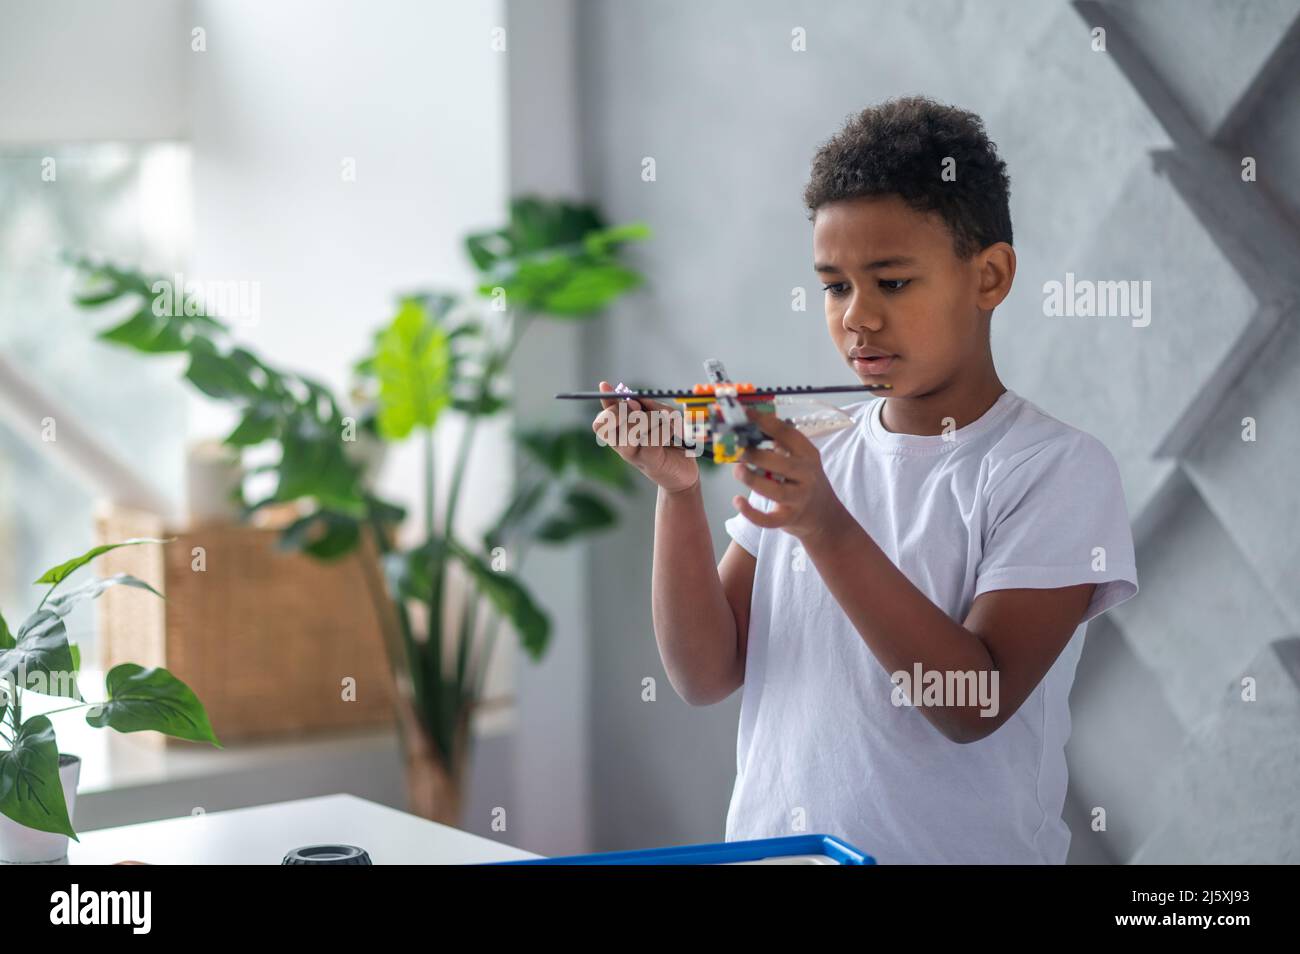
<point>273,643</point>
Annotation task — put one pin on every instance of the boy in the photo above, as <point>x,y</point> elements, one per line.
<point>905,611</point>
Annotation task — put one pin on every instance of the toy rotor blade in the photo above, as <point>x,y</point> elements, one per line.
<point>758,392</point>
<point>810,416</point>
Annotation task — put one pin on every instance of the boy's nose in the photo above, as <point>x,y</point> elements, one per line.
<point>862,318</point>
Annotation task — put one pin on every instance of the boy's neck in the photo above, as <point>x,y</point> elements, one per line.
<point>963,401</point>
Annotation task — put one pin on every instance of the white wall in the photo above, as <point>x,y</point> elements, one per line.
<point>85,70</point>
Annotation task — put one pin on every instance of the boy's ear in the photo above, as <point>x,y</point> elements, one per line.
<point>996,266</point>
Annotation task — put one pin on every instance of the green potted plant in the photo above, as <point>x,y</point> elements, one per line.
<point>438,353</point>
<point>38,783</point>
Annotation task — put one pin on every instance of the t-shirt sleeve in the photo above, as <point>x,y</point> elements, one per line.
<point>742,530</point>
<point>1058,518</point>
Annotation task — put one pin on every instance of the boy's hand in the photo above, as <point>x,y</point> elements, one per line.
<point>669,466</point>
<point>806,504</point>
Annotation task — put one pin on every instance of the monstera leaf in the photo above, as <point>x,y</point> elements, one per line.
<point>512,600</point>
<point>555,258</point>
<point>411,361</point>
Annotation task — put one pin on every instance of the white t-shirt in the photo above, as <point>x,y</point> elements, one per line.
<point>1016,499</point>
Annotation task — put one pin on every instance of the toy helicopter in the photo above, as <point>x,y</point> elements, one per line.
<point>714,414</point>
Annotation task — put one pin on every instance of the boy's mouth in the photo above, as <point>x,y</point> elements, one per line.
<point>872,363</point>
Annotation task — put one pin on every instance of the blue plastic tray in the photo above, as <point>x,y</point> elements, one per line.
<point>812,849</point>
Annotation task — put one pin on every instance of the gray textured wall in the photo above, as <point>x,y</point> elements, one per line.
<point>1124,166</point>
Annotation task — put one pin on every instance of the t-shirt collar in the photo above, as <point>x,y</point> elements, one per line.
<point>934,443</point>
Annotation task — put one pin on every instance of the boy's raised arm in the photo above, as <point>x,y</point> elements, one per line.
<point>701,612</point>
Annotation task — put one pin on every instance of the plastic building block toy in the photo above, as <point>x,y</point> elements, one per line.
<point>715,417</point>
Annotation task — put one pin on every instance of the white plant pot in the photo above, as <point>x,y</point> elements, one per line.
<point>212,476</point>
<point>22,845</point>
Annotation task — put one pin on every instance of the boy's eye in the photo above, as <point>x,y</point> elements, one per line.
<point>836,288</point>
<point>894,284</point>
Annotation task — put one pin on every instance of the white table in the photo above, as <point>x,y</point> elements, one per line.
<point>263,834</point>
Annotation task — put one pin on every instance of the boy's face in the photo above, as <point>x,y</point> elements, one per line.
<point>895,286</point>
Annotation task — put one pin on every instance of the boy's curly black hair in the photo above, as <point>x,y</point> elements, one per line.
<point>898,148</point>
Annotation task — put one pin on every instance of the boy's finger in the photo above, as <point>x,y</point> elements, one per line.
<point>601,425</point>
<point>776,462</point>
<point>650,405</point>
<point>767,519</point>
<point>775,428</point>
<point>767,417</point>
<point>779,491</point>
<point>633,404</point>
<point>784,434</point>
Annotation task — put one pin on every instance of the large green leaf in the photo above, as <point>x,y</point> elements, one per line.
<point>570,449</point>
<point>555,258</point>
<point>546,446</point>
<point>102,283</point>
<point>314,464</point>
<point>570,289</point>
<point>136,331</point>
<point>263,377</point>
<point>439,304</point>
<point>560,286</point>
<point>583,512</point>
<point>605,241</point>
<point>385,511</point>
<point>6,637</point>
<point>411,573</point>
<point>524,502</point>
<point>61,572</point>
<point>595,461</point>
<point>411,362</point>
<point>93,299</point>
<point>148,332</point>
<point>512,600</point>
<point>480,405</point>
<point>144,330</point>
<point>219,375</point>
<point>325,535</point>
<point>40,659</point>
<point>143,700</point>
<point>535,224</point>
<point>259,423</point>
<point>31,792</point>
